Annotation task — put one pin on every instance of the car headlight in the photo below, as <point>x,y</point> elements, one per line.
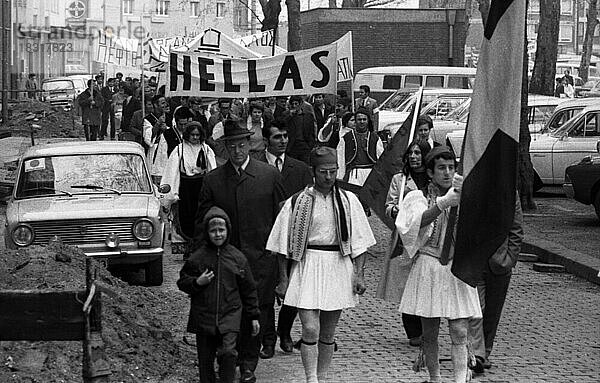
<point>143,229</point>
<point>22,235</point>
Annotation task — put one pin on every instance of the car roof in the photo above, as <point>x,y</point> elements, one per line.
<point>84,147</point>
<point>578,103</point>
<point>418,70</point>
<point>436,91</point>
<point>57,79</point>
<point>538,99</point>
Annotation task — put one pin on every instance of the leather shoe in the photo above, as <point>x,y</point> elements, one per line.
<point>286,343</point>
<point>267,352</point>
<point>415,342</point>
<point>247,377</point>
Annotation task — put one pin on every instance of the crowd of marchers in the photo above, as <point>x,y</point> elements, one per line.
<point>259,190</point>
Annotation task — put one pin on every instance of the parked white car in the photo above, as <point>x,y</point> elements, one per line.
<point>436,103</point>
<point>94,195</point>
<point>541,109</point>
<point>561,144</point>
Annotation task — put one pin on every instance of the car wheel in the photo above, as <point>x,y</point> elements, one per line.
<point>537,182</point>
<point>597,204</point>
<point>154,272</point>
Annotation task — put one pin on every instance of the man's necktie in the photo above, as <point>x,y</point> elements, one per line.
<point>201,160</point>
<point>279,163</point>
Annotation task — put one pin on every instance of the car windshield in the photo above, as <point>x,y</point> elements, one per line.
<point>564,128</point>
<point>395,100</point>
<point>57,85</point>
<point>459,111</point>
<point>64,175</point>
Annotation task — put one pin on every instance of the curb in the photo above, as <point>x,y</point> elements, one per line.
<point>580,264</point>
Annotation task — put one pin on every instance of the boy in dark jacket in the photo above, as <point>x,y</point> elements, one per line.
<point>219,281</point>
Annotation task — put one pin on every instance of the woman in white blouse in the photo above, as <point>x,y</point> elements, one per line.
<point>187,165</point>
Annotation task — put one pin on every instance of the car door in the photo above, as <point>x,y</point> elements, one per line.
<point>579,141</point>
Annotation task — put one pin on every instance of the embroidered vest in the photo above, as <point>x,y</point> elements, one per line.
<point>351,146</point>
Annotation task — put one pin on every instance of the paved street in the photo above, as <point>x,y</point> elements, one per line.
<point>550,332</point>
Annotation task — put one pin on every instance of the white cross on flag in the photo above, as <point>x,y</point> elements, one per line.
<point>490,153</point>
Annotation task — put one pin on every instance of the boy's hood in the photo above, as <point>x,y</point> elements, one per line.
<point>215,212</point>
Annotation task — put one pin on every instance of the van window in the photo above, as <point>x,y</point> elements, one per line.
<point>392,82</point>
<point>434,81</point>
<point>412,81</point>
<point>458,82</point>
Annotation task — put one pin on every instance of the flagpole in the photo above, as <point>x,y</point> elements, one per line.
<point>411,134</point>
<point>274,40</point>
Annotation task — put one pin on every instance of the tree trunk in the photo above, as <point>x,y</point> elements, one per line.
<point>525,167</point>
<point>484,9</point>
<point>332,4</point>
<point>544,69</point>
<point>588,41</point>
<point>294,33</point>
<point>271,10</point>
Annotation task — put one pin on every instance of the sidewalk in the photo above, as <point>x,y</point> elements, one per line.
<point>549,333</point>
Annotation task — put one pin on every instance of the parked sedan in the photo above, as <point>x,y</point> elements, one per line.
<point>560,143</point>
<point>94,195</point>
<point>582,181</point>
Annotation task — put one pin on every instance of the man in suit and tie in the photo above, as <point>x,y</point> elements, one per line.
<point>364,99</point>
<point>322,109</point>
<point>296,175</point>
<point>250,192</point>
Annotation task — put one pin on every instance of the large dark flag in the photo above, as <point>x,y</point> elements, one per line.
<point>374,191</point>
<point>490,150</point>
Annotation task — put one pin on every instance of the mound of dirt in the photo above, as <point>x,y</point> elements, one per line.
<point>137,324</point>
<point>53,121</point>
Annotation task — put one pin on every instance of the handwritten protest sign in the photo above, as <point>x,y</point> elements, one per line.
<point>112,49</point>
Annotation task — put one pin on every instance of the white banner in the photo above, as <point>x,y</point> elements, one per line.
<point>301,72</point>
<point>111,49</point>
<point>261,43</point>
<point>345,67</point>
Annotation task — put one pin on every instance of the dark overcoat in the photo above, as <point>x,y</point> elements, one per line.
<point>251,201</point>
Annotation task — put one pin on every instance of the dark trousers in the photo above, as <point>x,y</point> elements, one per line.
<point>223,347</point>
<point>265,274</point>
<point>492,293</point>
<point>287,315</point>
<point>105,121</point>
<point>268,334</point>
<point>412,325</point>
<point>91,132</point>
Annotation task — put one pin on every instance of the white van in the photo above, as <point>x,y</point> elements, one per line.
<point>383,81</point>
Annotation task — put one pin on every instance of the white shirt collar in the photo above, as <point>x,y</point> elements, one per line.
<point>271,158</point>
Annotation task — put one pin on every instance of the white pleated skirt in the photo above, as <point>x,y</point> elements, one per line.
<point>322,280</point>
<point>432,291</point>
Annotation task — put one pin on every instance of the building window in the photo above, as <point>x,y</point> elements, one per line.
<point>220,9</point>
<point>565,33</point>
<point>162,7</point>
<point>194,8</point>
<point>128,7</point>
<point>566,7</point>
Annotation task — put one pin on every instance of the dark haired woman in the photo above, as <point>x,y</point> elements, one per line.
<point>184,172</point>
<point>396,268</point>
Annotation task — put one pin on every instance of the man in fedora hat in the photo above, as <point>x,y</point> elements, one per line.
<point>250,192</point>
